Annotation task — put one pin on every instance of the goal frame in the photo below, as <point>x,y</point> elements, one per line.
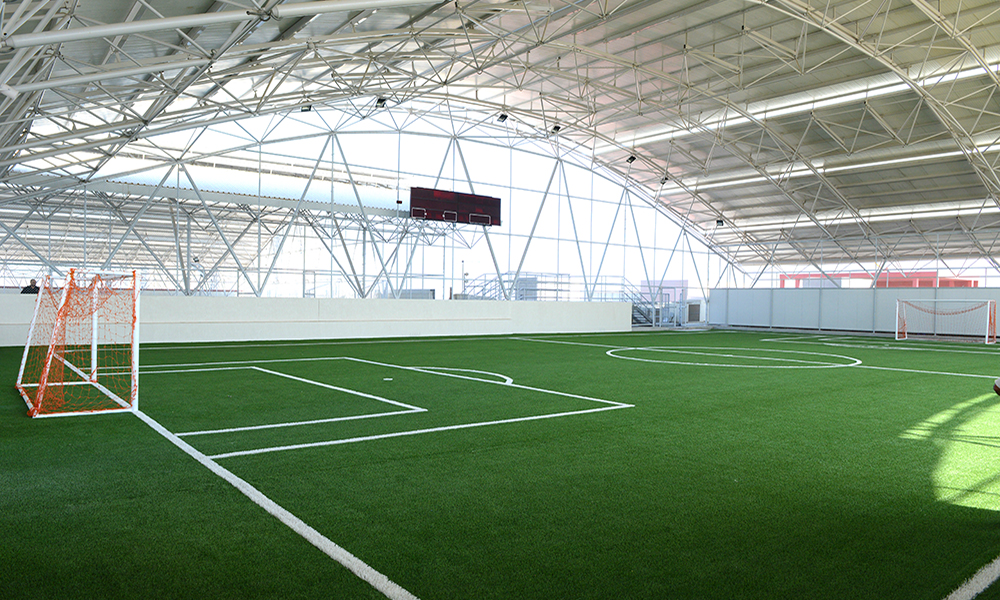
<point>127,405</point>
<point>989,325</point>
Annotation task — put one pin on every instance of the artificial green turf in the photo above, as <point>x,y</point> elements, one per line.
<point>720,482</point>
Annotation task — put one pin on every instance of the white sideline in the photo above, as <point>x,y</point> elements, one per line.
<point>978,583</point>
<point>354,564</point>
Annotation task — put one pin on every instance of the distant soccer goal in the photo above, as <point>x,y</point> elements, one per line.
<point>950,318</point>
<point>82,353</point>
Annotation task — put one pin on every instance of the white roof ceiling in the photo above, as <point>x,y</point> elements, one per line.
<point>860,130</point>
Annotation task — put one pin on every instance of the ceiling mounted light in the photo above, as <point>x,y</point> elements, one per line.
<point>630,159</point>
<point>719,223</point>
<point>502,117</point>
<point>306,108</point>
<point>556,128</point>
<point>380,103</point>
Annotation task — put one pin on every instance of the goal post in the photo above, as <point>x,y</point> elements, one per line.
<point>962,318</point>
<point>82,352</point>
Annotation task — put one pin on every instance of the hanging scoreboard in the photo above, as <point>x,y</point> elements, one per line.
<point>454,207</point>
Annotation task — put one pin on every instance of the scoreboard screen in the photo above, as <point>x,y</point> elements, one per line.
<point>455,207</point>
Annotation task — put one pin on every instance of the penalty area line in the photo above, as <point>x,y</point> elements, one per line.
<point>377,580</point>
<point>383,436</point>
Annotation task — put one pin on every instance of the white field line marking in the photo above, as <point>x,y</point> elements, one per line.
<point>684,350</point>
<point>632,333</point>
<point>497,375</point>
<point>298,423</point>
<point>545,341</point>
<point>925,372</point>
<point>154,371</point>
<point>97,386</point>
<point>235,364</point>
<point>990,573</point>
<point>415,432</point>
<point>354,564</point>
<point>249,364</point>
<point>83,413</point>
<point>294,344</point>
<point>506,381</point>
<point>700,352</point>
<point>73,368</point>
<point>405,340</point>
<point>978,583</point>
<point>874,344</point>
<point>409,408</point>
<point>431,371</point>
<point>691,350</point>
<point>340,389</point>
<point>986,576</point>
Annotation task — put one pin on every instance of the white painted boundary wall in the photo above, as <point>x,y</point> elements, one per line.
<point>215,318</point>
<point>868,310</point>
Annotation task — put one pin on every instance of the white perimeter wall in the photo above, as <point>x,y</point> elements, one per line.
<point>870,310</point>
<point>213,318</point>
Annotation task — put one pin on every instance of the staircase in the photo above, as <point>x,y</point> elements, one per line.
<point>644,311</point>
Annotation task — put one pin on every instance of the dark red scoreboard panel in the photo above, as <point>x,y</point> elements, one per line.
<point>455,207</point>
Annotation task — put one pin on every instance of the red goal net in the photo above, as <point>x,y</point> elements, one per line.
<point>83,345</point>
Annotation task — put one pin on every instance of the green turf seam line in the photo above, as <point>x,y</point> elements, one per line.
<point>354,564</point>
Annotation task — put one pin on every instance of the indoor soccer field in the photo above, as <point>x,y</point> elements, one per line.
<point>710,465</point>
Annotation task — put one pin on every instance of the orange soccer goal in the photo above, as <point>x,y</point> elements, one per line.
<point>976,319</point>
<point>82,353</point>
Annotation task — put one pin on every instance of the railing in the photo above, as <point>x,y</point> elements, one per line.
<point>651,307</point>
<point>543,287</point>
<point>645,312</point>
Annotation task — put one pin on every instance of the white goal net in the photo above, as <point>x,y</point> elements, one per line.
<point>948,318</point>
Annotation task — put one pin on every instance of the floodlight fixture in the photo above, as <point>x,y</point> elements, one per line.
<point>556,128</point>
<point>380,103</point>
<point>719,223</point>
<point>306,108</point>
<point>502,117</point>
<point>630,159</point>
